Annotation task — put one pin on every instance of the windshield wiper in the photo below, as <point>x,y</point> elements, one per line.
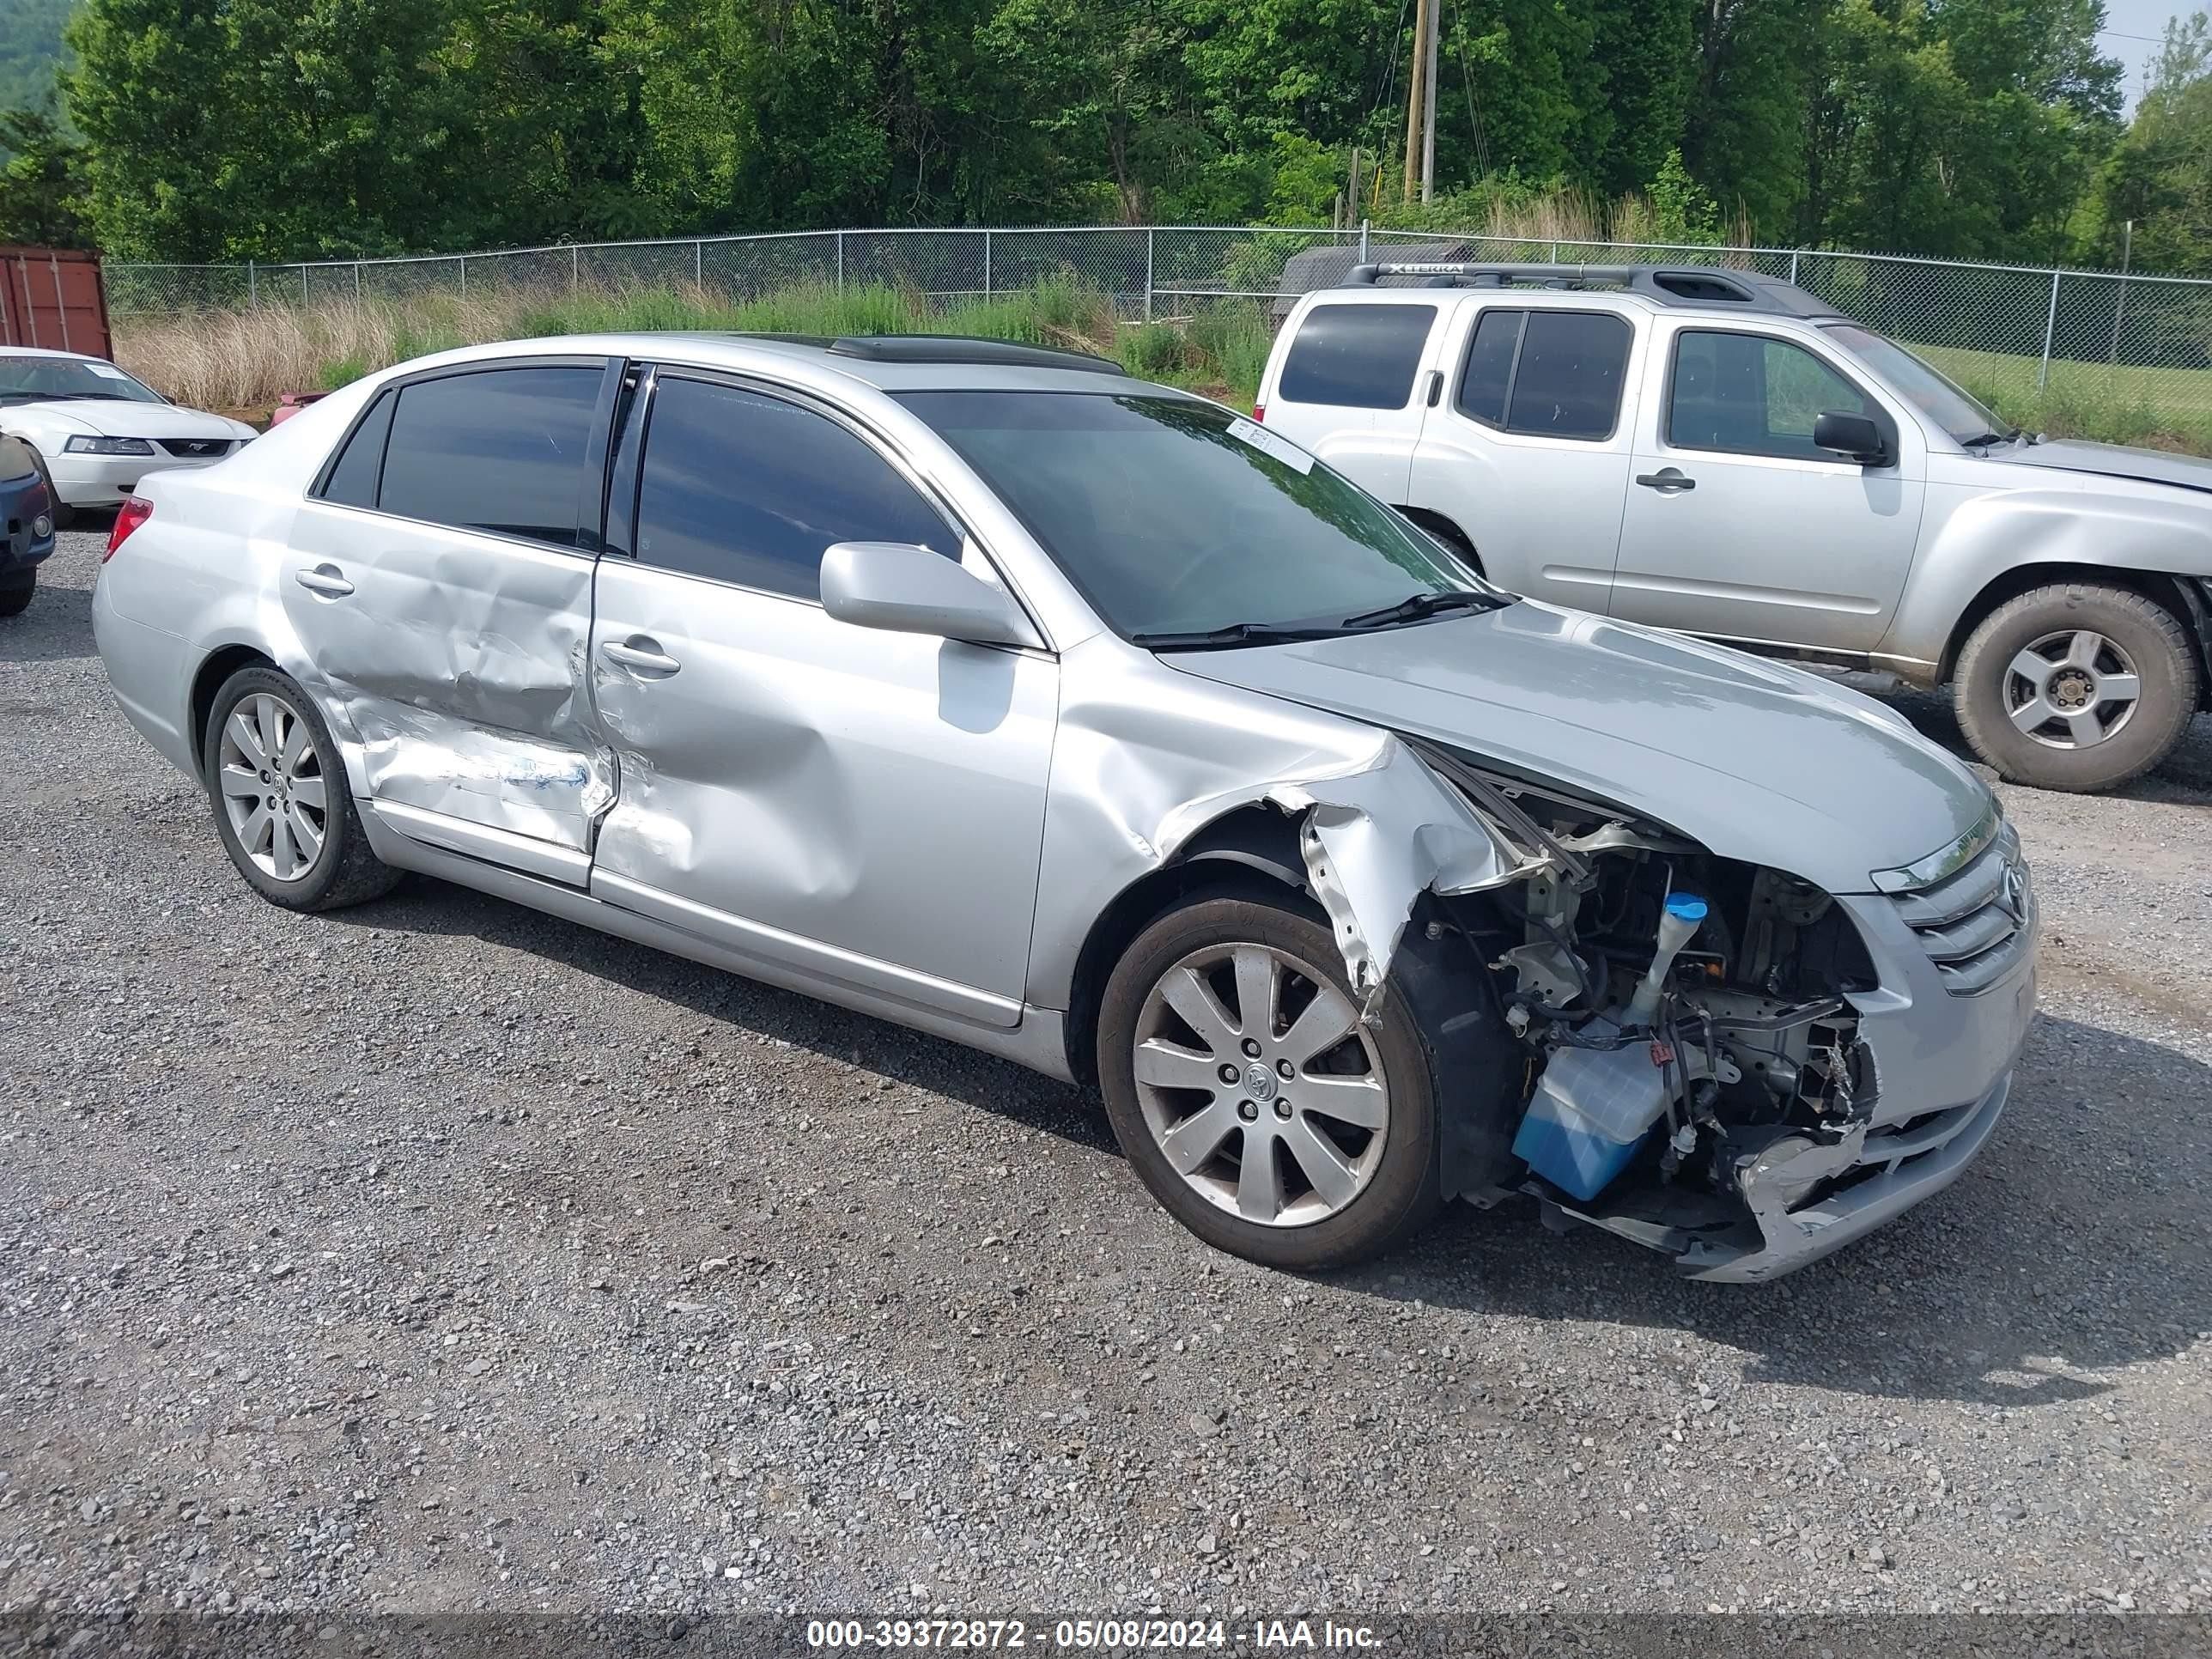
<point>1988,438</point>
<point>1243,633</point>
<point>1416,606</point>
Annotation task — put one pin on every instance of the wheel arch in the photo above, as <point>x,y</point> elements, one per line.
<point>209,678</point>
<point>1448,533</point>
<point>2181,597</point>
<point>1251,850</point>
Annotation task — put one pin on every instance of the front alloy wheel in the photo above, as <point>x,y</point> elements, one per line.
<point>2076,685</point>
<point>2072,689</point>
<point>1259,1086</point>
<point>1252,1098</point>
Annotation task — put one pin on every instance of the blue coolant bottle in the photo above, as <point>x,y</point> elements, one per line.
<point>1594,1107</point>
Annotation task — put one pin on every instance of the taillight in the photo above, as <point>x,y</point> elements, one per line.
<point>134,512</point>
<point>1260,413</point>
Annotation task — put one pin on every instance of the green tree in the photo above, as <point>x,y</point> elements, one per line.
<point>42,183</point>
<point>2160,175</point>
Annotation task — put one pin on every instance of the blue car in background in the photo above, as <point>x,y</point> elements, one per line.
<point>27,506</point>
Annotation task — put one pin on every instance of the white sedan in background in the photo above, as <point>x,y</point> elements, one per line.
<point>96,431</point>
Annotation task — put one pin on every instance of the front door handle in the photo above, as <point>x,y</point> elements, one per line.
<point>325,579</point>
<point>1668,481</point>
<point>638,653</point>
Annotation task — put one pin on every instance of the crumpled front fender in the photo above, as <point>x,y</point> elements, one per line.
<point>1145,759</point>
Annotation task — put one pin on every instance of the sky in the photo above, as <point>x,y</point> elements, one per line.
<point>2133,29</point>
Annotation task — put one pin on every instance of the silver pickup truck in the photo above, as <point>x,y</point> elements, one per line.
<point>1723,454</point>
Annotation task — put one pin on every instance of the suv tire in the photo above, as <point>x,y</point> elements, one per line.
<point>338,869</point>
<point>1231,1079</point>
<point>2114,673</point>
<point>16,595</point>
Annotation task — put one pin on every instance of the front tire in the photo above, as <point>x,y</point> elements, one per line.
<point>1252,1100</point>
<point>281,805</point>
<point>16,595</point>
<point>2077,686</point>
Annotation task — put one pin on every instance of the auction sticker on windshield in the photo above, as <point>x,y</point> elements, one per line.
<point>1269,444</point>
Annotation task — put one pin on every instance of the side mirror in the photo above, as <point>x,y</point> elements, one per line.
<point>1857,436</point>
<point>906,589</point>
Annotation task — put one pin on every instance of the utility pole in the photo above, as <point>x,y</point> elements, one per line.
<point>1429,104</point>
<point>2120,310</point>
<point>1417,98</point>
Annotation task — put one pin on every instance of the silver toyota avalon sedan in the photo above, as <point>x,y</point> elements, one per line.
<point>986,689</point>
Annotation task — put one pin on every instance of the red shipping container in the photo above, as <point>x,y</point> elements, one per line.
<point>53,297</point>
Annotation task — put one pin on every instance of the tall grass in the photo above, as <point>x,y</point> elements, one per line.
<point>246,360</point>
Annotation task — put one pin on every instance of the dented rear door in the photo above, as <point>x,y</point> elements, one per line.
<point>441,585</point>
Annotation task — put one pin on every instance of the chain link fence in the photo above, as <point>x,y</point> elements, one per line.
<point>2015,331</point>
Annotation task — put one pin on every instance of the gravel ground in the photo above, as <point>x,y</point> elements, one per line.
<point>437,1255</point>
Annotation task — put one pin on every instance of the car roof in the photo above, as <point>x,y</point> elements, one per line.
<point>48,351</point>
<point>938,366</point>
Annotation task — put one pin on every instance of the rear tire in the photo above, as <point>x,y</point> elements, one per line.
<point>281,805</point>
<point>1361,1110</point>
<point>16,595</point>
<point>2077,686</point>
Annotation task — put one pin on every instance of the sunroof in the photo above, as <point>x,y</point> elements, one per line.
<point>958,348</point>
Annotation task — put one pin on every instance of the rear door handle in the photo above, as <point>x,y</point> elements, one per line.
<point>1668,481</point>
<point>638,653</point>
<point>326,580</point>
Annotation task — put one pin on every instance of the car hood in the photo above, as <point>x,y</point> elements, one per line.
<point>1756,761</point>
<point>2112,460</point>
<point>100,417</point>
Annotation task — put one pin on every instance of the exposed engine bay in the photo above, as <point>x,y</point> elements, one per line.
<point>1681,1018</point>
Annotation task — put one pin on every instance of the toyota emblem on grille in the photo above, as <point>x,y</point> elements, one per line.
<point>2012,898</point>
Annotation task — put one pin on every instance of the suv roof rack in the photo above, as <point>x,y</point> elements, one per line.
<point>960,348</point>
<point>1706,287</point>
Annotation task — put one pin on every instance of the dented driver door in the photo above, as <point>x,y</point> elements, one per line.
<point>439,580</point>
<point>859,806</point>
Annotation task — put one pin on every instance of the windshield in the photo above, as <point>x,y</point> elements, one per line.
<point>1931,393</point>
<point>1177,516</point>
<point>25,379</point>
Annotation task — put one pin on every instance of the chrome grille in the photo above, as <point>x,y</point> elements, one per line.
<point>1976,923</point>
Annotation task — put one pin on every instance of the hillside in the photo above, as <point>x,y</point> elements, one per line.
<point>30,50</point>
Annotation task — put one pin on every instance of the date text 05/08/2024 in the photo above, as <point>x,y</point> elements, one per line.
<point>1092,1635</point>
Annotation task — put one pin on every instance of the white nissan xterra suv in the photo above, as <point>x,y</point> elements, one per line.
<point>1723,454</point>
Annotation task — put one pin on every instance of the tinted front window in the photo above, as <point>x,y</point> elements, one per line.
<point>1749,396</point>
<point>1176,516</point>
<point>1356,356</point>
<point>1568,380</point>
<point>500,450</point>
<point>353,480</point>
<point>751,490</point>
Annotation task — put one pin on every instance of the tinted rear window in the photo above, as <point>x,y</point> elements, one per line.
<point>1356,356</point>
<point>1488,377</point>
<point>500,450</point>
<point>1567,383</point>
<point>352,482</point>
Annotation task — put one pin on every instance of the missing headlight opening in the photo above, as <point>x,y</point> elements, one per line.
<point>1691,1065</point>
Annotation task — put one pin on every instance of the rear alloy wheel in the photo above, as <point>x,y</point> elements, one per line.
<point>2077,686</point>
<point>1252,1098</point>
<point>281,805</point>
